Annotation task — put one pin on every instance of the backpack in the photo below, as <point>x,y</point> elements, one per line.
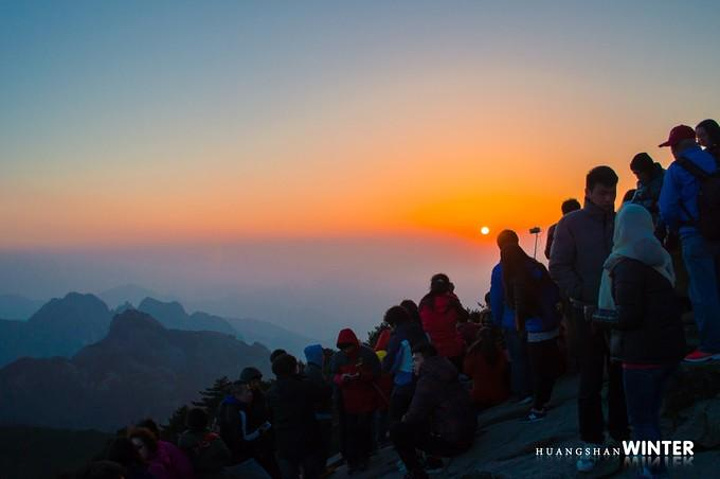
<point>551,303</point>
<point>708,199</point>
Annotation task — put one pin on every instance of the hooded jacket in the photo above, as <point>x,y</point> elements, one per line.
<point>439,314</point>
<point>359,395</point>
<point>583,240</point>
<point>440,399</point>
<point>314,372</point>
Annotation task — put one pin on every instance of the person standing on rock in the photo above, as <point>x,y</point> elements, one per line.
<point>680,208</point>
<point>504,317</point>
<point>439,313</point>
<point>647,335</point>
<point>535,298</point>
<point>405,334</point>
<point>355,368</point>
<point>583,241</point>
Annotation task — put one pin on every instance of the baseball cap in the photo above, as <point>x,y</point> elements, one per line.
<point>678,134</point>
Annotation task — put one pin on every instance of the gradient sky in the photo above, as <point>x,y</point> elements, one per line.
<point>152,123</point>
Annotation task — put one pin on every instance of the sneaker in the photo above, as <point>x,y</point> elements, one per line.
<point>535,415</point>
<point>698,356</point>
<point>586,463</point>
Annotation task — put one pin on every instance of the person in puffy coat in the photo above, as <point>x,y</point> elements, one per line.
<point>441,419</point>
<point>439,313</point>
<point>647,336</point>
<point>355,368</point>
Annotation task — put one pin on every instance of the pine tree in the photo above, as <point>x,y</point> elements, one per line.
<point>175,426</point>
<point>211,397</point>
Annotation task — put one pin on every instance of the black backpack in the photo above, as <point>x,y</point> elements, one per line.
<point>708,200</point>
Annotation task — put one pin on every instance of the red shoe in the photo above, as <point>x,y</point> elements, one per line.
<point>698,356</point>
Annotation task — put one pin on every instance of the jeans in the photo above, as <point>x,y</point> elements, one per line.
<point>594,358</point>
<point>643,394</point>
<point>520,368</point>
<point>702,260</point>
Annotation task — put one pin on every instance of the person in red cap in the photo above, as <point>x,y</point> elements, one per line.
<point>701,255</point>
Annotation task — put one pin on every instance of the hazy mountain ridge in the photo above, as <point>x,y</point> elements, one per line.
<point>63,326</point>
<point>60,328</point>
<point>140,369</point>
<point>18,308</point>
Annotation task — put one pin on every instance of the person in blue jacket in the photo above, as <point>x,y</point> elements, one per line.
<point>504,317</point>
<point>679,209</point>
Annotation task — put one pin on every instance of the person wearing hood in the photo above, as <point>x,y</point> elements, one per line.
<point>441,419</point>
<point>583,241</point>
<point>355,367</point>
<point>647,336</point>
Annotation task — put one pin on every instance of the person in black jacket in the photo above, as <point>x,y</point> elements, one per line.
<point>534,297</point>
<point>647,336</point>
<point>441,419</point>
<point>293,400</point>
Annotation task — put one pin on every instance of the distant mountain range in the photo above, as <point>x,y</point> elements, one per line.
<point>140,369</point>
<point>62,327</point>
<point>17,307</point>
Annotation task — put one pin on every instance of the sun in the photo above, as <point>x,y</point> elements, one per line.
<point>485,230</point>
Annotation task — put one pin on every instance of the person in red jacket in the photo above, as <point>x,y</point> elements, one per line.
<point>355,368</point>
<point>439,313</point>
<point>488,367</point>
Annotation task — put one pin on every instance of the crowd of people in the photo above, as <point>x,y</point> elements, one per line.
<point>605,306</point>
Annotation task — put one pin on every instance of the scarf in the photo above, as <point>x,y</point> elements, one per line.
<point>633,238</point>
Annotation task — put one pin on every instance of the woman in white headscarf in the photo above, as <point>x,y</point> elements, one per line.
<point>638,285</point>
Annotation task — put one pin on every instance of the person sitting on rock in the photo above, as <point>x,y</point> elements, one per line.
<point>177,461</point>
<point>485,363</point>
<point>441,419</point>
<point>207,452</point>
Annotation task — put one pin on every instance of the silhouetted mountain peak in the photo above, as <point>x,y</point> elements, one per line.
<point>134,323</point>
<point>73,310</point>
<point>162,310</point>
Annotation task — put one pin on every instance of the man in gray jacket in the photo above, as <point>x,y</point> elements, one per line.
<point>583,241</point>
